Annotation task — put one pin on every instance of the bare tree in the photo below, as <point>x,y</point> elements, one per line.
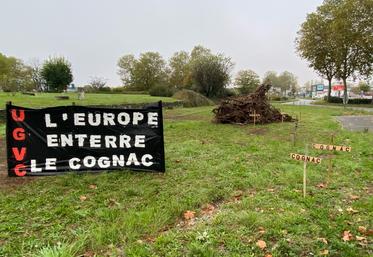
<point>35,66</point>
<point>97,83</point>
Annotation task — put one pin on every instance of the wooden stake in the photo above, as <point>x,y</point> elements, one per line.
<point>282,118</point>
<point>330,157</point>
<point>295,132</point>
<point>254,117</point>
<point>292,135</point>
<point>305,173</point>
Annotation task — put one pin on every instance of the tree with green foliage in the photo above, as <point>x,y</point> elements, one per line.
<point>315,43</point>
<point>15,76</point>
<point>287,81</point>
<point>180,70</point>
<point>271,78</point>
<point>126,67</point>
<point>211,73</point>
<point>364,87</point>
<point>247,81</point>
<point>57,74</point>
<point>353,34</point>
<point>284,81</point>
<point>199,51</point>
<point>143,73</point>
<point>337,40</point>
<point>181,64</point>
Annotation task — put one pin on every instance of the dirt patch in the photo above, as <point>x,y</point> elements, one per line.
<point>5,181</point>
<point>258,131</point>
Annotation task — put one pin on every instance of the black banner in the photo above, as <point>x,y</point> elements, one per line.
<point>76,138</point>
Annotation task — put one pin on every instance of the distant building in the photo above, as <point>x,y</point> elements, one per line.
<point>71,88</point>
<point>319,91</point>
<point>337,90</point>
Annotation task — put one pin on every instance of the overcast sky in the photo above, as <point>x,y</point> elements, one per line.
<point>93,34</point>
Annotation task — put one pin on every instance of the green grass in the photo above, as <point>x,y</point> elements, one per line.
<point>48,99</point>
<point>140,214</point>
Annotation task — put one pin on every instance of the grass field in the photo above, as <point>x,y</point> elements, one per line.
<point>48,99</point>
<point>239,181</point>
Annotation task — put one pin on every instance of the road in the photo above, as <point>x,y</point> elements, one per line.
<point>362,123</point>
<point>300,102</point>
<point>308,102</point>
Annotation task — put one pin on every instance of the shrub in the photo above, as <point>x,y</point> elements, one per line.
<point>104,90</point>
<point>334,99</point>
<point>128,90</point>
<point>192,99</point>
<point>279,98</point>
<point>57,74</point>
<point>228,92</point>
<point>161,90</point>
<point>338,100</point>
<point>360,101</point>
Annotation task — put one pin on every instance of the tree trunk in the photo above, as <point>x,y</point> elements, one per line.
<point>329,89</point>
<point>345,98</point>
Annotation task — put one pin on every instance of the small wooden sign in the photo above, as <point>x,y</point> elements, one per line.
<point>255,115</point>
<point>305,158</point>
<point>332,147</point>
<point>282,116</point>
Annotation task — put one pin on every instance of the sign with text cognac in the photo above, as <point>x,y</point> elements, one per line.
<point>75,138</point>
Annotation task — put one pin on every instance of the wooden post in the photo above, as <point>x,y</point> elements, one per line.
<point>330,157</point>
<point>295,132</point>
<point>282,118</point>
<point>254,118</point>
<point>292,135</point>
<point>305,172</point>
